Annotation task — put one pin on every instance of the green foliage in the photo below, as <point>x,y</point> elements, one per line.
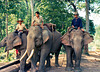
<point>53,11</point>
<point>96,43</point>
<point>91,26</point>
<point>12,56</point>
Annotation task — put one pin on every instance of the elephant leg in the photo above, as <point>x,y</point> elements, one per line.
<point>72,57</point>
<point>48,61</point>
<point>23,62</point>
<point>69,59</point>
<point>34,61</point>
<point>56,57</point>
<point>33,65</point>
<point>44,53</point>
<point>77,61</point>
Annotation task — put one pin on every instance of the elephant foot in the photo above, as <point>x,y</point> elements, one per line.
<point>48,66</point>
<point>69,69</point>
<point>57,65</point>
<point>21,71</point>
<point>77,69</point>
<point>87,54</point>
<point>33,70</point>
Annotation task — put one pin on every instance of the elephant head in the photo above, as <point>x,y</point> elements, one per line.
<point>76,39</point>
<point>36,37</point>
<point>11,41</point>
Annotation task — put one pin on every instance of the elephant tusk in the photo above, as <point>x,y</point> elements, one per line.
<point>30,55</point>
<point>23,55</point>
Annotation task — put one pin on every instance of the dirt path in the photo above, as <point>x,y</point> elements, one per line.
<point>88,64</point>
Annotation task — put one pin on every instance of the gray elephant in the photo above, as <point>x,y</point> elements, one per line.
<point>73,42</point>
<point>45,41</point>
<point>13,41</point>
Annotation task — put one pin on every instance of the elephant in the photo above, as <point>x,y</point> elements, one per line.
<point>14,41</point>
<point>45,41</point>
<point>73,42</point>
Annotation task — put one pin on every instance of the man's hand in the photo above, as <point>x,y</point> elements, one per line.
<point>82,29</point>
<point>72,26</point>
<point>32,24</point>
<point>42,26</point>
<point>27,30</point>
<point>78,27</point>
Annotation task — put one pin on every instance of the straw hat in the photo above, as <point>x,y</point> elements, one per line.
<point>20,20</point>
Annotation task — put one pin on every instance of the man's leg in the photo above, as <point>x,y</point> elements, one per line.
<point>20,34</point>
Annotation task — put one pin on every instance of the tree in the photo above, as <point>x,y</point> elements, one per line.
<point>87,24</point>
<point>6,2</point>
<point>87,15</point>
<point>32,8</point>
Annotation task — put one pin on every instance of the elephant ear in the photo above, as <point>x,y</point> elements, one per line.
<point>65,39</point>
<point>87,38</point>
<point>45,34</point>
<point>17,41</point>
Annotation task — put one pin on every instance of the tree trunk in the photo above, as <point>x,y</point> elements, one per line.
<point>27,12</point>
<point>6,25</point>
<point>87,15</point>
<point>32,8</point>
<point>87,24</point>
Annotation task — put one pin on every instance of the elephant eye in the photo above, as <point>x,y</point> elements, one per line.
<point>36,39</point>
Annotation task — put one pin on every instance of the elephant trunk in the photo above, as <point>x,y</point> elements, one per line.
<point>78,52</point>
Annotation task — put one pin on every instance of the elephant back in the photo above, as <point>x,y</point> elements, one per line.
<point>56,42</point>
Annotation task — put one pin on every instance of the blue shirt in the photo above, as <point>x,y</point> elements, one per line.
<point>77,23</point>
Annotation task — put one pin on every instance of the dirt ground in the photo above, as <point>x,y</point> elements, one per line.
<point>88,63</point>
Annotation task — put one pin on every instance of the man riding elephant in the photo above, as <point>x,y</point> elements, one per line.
<point>37,20</point>
<point>77,22</point>
<point>19,29</point>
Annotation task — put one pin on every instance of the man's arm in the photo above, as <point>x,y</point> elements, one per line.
<point>80,26</point>
<point>32,23</point>
<point>17,27</point>
<point>72,24</point>
<point>42,22</point>
<point>25,27</point>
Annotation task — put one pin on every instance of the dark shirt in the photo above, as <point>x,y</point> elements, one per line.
<point>77,23</point>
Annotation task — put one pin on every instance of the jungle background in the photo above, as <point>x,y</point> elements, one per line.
<point>59,12</point>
